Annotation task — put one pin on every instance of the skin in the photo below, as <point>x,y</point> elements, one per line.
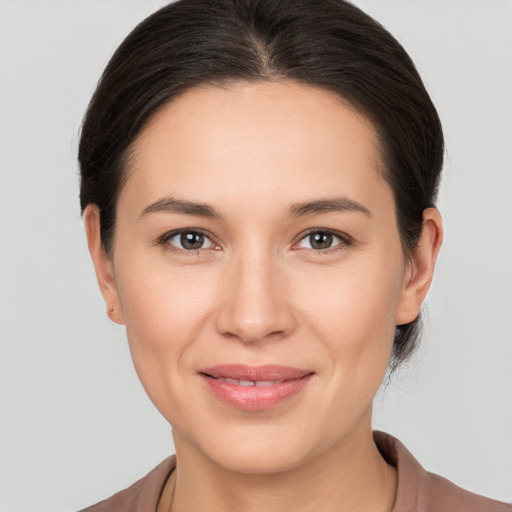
<point>258,292</point>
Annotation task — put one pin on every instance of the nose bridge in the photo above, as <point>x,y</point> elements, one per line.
<point>256,304</point>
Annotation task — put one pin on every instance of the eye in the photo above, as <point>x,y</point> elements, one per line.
<point>188,240</point>
<point>322,240</point>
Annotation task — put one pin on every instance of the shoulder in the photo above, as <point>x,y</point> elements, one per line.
<point>142,496</point>
<point>446,496</point>
<point>422,491</point>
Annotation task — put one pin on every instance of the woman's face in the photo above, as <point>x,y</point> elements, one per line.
<point>258,268</point>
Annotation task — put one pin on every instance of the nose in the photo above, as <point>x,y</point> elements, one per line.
<point>256,305</point>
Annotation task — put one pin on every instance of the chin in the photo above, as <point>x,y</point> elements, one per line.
<point>250,449</point>
<point>261,460</point>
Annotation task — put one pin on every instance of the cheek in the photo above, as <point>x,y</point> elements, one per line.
<point>348,321</point>
<point>353,310</point>
<point>164,311</point>
<point>157,298</point>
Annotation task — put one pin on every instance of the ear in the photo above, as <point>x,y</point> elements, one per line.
<point>420,268</point>
<point>102,264</point>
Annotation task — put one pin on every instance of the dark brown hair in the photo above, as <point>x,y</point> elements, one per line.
<point>329,44</point>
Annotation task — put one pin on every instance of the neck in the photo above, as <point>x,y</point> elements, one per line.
<point>352,476</point>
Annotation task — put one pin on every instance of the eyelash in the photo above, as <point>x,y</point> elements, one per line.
<point>164,241</point>
<point>344,241</point>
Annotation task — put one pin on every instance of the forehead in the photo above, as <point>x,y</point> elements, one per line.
<point>273,140</point>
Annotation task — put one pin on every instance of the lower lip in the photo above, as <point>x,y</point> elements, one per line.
<point>255,398</point>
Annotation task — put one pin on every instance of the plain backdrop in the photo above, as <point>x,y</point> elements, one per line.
<point>75,424</point>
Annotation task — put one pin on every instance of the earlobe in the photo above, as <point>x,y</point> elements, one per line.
<point>420,271</point>
<point>102,264</point>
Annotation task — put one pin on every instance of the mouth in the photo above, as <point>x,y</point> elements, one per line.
<point>247,383</point>
<point>255,388</point>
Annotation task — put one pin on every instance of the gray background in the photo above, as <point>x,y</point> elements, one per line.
<point>75,425</point>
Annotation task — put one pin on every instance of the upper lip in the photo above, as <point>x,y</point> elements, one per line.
<point>256,373</point>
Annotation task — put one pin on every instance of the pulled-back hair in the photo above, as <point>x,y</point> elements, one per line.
<point>330,44</point>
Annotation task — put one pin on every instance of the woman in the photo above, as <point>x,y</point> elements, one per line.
<point>258,189</point>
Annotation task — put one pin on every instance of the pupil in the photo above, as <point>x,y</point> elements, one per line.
<point>192,240</point>
<point>321,240</point>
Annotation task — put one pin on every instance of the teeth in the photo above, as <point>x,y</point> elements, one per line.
<point>235,381</point>
<point>263,383</point>
<point>247,383</point>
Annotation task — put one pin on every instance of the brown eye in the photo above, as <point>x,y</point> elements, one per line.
<point>321,240</point>
<point>190,241</point>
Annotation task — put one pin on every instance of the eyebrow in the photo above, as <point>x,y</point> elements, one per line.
<point>172,205</point>
<point>303,209</point>
<point>334,204</point>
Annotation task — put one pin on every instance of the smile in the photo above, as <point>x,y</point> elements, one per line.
<point>255,388</point>
<point>246,383</point>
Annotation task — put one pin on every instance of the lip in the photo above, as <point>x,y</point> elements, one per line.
<point>255,388</point>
